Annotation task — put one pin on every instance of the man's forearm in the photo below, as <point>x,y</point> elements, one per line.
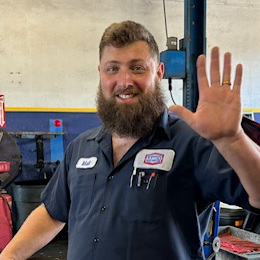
<point>38,229</point>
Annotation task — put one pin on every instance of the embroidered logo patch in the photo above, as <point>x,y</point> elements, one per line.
<point>85,163</point>
<point>153,158</point>
<point>161,159</point>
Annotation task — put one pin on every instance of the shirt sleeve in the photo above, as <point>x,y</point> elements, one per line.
<point>215,177</point>
<point>55,196</point>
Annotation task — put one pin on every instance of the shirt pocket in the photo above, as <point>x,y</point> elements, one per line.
<point>81,193</point>
<point>146,200</point>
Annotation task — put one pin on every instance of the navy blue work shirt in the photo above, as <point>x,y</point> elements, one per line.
<point>153,214</point>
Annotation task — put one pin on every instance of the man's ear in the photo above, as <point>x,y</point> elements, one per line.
<point>99,68</point>
<point>160,70</point>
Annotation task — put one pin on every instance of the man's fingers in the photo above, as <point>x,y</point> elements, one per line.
<point>238,79</point>
<point>214,67</point>
<point>201,72</point>
<point>226,69</point>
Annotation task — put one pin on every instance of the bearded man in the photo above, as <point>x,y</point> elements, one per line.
<point>136,187</point>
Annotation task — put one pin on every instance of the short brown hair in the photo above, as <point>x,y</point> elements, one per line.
<point>127,32</point>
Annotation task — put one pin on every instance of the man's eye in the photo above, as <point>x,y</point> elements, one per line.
<point>138,68</point>
<point>112,69</point>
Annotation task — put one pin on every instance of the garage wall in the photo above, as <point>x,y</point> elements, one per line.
<point>49,48</point>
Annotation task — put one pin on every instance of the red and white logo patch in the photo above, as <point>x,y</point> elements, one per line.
<point>153,158</point>
<point>160,159</point>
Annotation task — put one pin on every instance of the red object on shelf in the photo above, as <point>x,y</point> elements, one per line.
<point>4,167</point>
<point>237,245</point>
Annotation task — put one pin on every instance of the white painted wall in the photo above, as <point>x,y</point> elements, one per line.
<point>49,48</point>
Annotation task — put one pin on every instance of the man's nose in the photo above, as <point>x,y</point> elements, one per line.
<point>125,78</point>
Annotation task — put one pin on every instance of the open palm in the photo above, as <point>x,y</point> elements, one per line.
<point>218,114</point>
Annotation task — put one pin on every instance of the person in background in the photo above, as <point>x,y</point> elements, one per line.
<point>136,187</point>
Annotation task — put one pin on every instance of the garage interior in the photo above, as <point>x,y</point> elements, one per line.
<point>49,46</point>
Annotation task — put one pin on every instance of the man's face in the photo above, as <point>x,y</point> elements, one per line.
<point>127,72</point>
<point>129,99</point>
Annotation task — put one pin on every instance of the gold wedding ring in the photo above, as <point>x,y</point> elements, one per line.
<point>226,83</point>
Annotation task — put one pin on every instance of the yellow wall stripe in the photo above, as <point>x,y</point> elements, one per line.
<point>254,110</point>
<point>52,109</point>
<point>49,109</point>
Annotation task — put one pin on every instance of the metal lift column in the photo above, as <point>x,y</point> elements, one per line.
<point>194,44</point>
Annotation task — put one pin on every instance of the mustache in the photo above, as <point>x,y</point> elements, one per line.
<point>127,90</point>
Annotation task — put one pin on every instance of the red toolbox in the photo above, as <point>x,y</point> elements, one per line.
<point>5,220</point>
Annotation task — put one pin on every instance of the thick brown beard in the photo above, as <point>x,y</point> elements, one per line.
<point>131,120</point>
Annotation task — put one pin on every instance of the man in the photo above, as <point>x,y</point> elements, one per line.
<point>134,188</point>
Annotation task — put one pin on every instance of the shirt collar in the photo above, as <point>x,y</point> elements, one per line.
<point>98,134</point>
<point>162,125</point>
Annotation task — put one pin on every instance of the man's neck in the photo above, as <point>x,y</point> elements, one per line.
<point>120,146</point>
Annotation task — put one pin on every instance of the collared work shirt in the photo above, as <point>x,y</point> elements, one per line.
<point>112,214</point>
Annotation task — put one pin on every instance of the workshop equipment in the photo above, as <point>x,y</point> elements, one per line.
<point>237,252</point>
<point>232,216</point>
<point>9,152</point>
<point>6,223</point>
<point>27,197</point>
<point>26,192</point>
<point>181,64</point>
<point>9,164</point>
<point>5,209</point>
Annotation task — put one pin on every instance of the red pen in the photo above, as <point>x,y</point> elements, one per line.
<point>153,175</point>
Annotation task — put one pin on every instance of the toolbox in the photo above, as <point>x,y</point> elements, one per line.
<point>5,219</point>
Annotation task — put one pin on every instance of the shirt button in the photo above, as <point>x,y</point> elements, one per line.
<point>96,240</point>
<point>103,208</point>
<point>111,177</point>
